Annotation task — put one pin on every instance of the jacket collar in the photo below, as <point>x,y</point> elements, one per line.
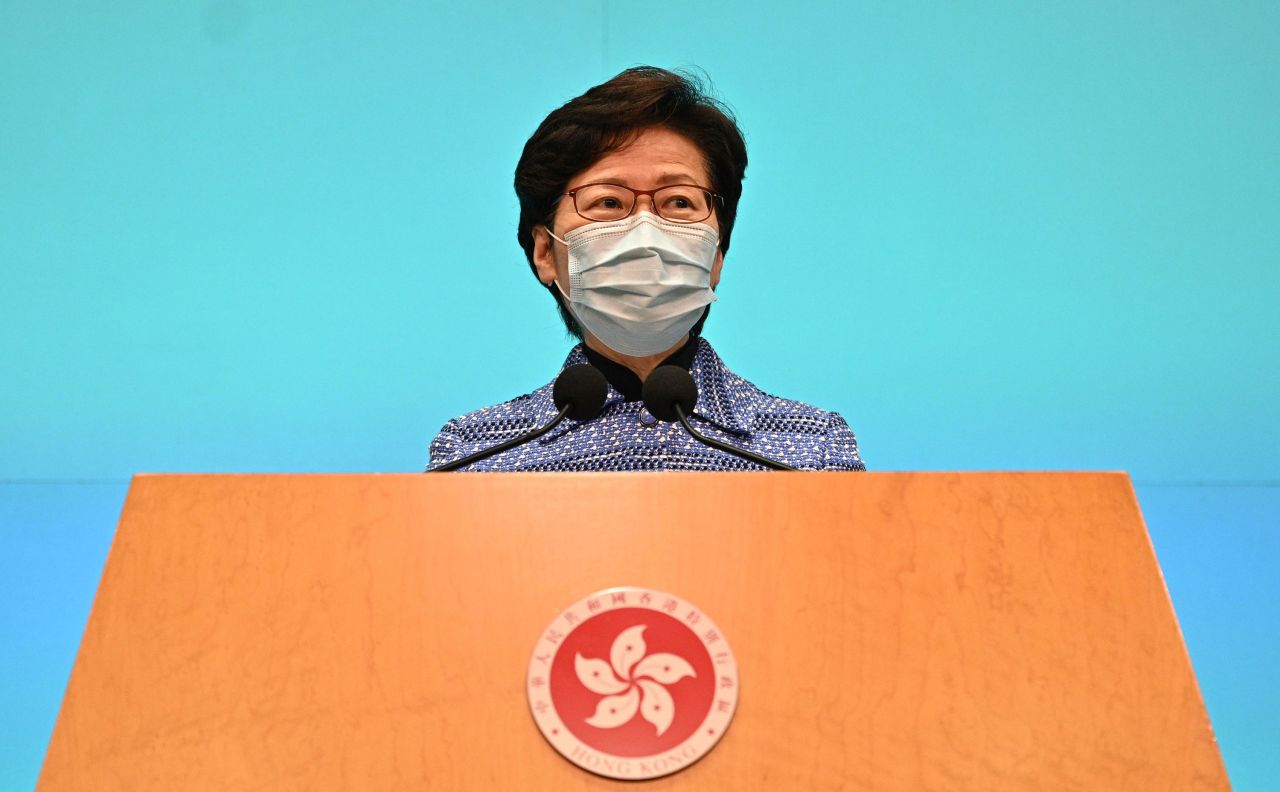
<point>625,381</point>
<point>724,399</point>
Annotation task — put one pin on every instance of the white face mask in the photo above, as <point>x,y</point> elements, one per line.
<point>640,283</point>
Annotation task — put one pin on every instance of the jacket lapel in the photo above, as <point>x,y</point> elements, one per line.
<point>724,399</point>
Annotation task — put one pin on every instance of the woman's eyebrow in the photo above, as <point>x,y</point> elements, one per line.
<point>676,178</point>
<point>669,177</point>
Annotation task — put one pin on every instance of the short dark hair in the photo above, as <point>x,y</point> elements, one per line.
<point>607,118</point>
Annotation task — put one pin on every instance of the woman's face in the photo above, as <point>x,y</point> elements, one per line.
<point>657,157</point>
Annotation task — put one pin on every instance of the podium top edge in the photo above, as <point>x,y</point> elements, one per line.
<point>629,473</point>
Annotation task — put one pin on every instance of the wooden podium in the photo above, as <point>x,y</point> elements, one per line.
<point>893,631</point>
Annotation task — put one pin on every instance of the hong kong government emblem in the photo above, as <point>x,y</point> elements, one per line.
<point>632,683</point>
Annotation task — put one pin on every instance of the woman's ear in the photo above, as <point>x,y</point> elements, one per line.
<point>544,255</point>
<point>715,269</point>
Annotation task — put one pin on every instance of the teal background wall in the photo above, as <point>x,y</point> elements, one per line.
<point>249,236</point>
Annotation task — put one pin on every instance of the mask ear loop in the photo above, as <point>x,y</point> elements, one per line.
<point>551,234</point>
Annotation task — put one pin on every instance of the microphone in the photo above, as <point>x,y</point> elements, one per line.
<point>579,393</point>
<point>670,393</point>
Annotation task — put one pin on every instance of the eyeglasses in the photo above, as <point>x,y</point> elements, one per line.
<point>679,203</point>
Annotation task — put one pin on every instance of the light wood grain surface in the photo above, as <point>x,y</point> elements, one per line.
<point>893,631</point>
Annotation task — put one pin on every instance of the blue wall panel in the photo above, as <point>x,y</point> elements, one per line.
<point>1218,547</point>
<point>55,539</point>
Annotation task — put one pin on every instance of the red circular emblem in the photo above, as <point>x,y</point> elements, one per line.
<point>632,683</point>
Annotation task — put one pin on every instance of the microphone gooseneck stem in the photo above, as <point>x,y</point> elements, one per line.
<point>503,446</point>
<point>759,460</point>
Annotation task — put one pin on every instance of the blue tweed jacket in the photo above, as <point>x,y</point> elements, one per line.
<point>626,437</point>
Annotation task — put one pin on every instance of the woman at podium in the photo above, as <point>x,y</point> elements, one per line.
<point>628,196</point>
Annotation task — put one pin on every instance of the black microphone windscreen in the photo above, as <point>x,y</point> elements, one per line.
<point>667,387</point>
<point>583,389</point>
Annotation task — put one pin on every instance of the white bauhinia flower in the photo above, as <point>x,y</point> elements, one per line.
<point>632,682</point>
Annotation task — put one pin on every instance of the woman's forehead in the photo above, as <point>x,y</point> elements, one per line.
<point>655,157</point>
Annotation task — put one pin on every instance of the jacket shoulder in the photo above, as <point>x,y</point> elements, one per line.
<point>836,445</point>
<point>489,426</point>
